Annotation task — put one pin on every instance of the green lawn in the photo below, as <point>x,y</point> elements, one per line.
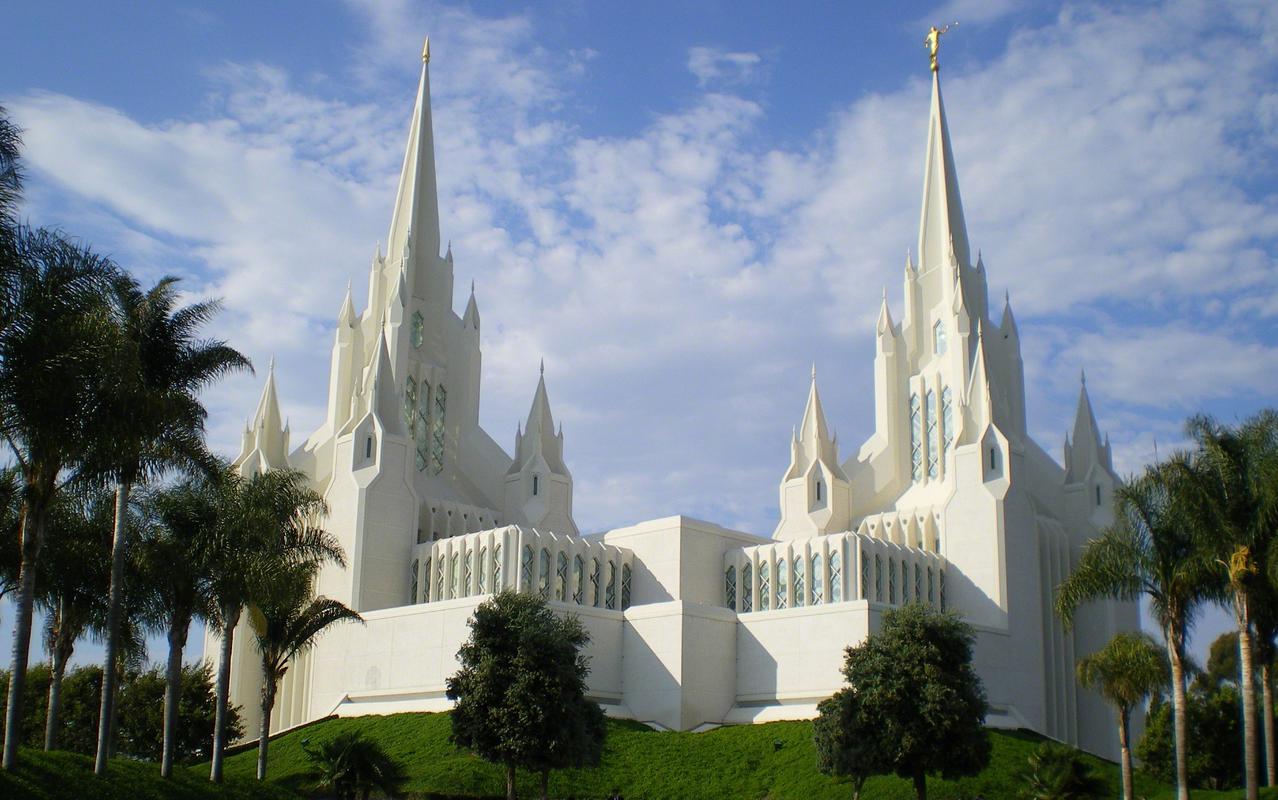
<point>774,761</point>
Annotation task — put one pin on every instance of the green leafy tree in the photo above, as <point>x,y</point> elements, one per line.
<point>1215,762</point>
<point>1129,669</point>
<point>144,730</point>
<point>520,692</point>
<point>1149,551</point>
<point>1056,772</point>
<point>1232,482</point>
<point>55,334</point>
<point>287,619</point>
<point>152,420</point>
<point>348,765</point>
<point>915,679</point>
<point>848,744</point>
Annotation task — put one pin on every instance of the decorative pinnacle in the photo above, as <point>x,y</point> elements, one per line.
<point>933,41</point>
<point>426,51</point>
<point>543,366</point>
<point>813,370</point>
<point>1082,376</point>
<point>271,368</point>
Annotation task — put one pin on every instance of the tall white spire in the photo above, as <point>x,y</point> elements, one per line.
<point>941,221</point>
<point>1085,446</point>
<point>538,484</point>
<point>416,202</point>
<point>265,441</point>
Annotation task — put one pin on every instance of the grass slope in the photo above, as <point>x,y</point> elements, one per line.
<point>774,761</point>
<point>69,776</point>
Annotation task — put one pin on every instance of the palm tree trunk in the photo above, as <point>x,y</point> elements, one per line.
<point>264,731</point>
<point>57,668</point>
<point>119,546</point>
<point>173,691</point>
<point>1124,719</point>
<point>1267,717</point>
<point>510,781</point>
<point>1180,725</point>
<point>221,692</point>
<point>32,538</point>
<point>1247,687</point>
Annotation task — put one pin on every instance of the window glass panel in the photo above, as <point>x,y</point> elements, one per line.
<point>931,593</point>
<point>818,580</point>
<point>426,581</point>
<point>543,575</point>
<point>497,587</point>
<point>578,579</point>
<point>783,581</point>
<point>730,587</point>
<point>836,577</point>
<point>905,582</point>
<point>625,586</point>
<point>412,583</point>
<point>865,577</point>
<point>610,590</point>
<point>940,577</point>
<point>437,430</point>
<point>938,337</point>
<point>878,578</point>
<point>765,587</point>
<point>561,577</point>
<point>891,580</point>
<point>594,582</point>
<point>454,575</point>
<point>947,419</point>
<point>918,582</point>
<point>747,588</point>
<point>526,570</point>
<point>482,588</point>
<point>466,573</point>
<point>799,588</point>
<point>933,442</point>
<point>916,439</point>
<point>419,326</point>
<point>410,406</point>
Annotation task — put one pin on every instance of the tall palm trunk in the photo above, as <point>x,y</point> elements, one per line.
<point>119,546</point>
<point>510,781</point>
<point>1247,686</point>
<point>221,692</point>
<point>32,539</point>
<point>178,627</point>
<point>1267,717</point>
<point>1180,725</point>
<point>63,644</point>
<point>1124,725</point>
<point>264,730</point>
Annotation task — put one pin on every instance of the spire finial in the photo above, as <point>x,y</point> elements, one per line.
<point>271,368</point>
<point>472,287</point>
<point>543,366</point>
<point>1082,377</point>
<point>813,370</point>
<point>426,51</point>
<point>933,42</point>
<point>1007,297</point>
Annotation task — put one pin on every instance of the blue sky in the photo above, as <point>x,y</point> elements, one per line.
<point>682,206</point>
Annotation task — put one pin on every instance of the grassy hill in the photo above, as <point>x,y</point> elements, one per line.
<point>774,761</point>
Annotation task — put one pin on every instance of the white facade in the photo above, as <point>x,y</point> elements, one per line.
<point>949,502</point>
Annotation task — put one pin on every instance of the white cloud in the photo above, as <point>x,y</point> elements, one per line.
<point>713,65</point>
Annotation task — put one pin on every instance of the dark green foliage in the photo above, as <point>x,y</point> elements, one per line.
<point>917,690</point>
<point>520,692</point>
<point>1215,728</point>
<point>846,742</point>
<point>1056,772</point>
<point>349,765</point>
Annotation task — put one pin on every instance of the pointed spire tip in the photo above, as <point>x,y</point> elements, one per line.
<point>426,51</point>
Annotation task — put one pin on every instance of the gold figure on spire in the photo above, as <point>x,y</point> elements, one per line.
<point>426,51</point>
<point>933,41</point>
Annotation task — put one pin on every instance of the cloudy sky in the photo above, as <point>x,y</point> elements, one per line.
<point>683,206</point>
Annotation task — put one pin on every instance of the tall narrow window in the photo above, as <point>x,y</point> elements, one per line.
<point>441,575</point>
<point>368,447</point>
<point>836,577</point>
<point>933,440</point>
<point>918,582</point>
<point>419,327</point>
<point>625,586</point>
<point>454,574</point>
<point>940,577</point>
<point>1098,494</point>
<point>578,579</point>
<point>412,583</point>
<point>543,574</point>
<point>878,578</point>
<point>410,406</point>
<point>421,425</point>
<point>526,570</point>
<point>535,486</point>
<point>938,337</point>
<point>916,439</point>
<point>610,589</point>
<point>818,491</point>
<point>891,580</point>
<point>783,584</point>
<point>947,420</point>
<point>747,588</point>
<point>818,580</point>
<point>466,575</point>
<point>800,587</point>
<point>931,591</point>
<point>561,577</point>
<point>497,587</point>
<point>437,430</point>
<point>905,582</point>
<point>482,576</point>
<point>730,588</point>
<point>594,582</point>
<point>865,577</point>
<point>426,580</point>
<point>765,587</point>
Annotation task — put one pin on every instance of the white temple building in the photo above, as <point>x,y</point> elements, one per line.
<point>949,502</point>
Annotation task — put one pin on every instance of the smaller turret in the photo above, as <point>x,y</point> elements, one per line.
<point>265,441</point>
<point>471,318</point>
<point>538,483</point>
<point>814,491</point>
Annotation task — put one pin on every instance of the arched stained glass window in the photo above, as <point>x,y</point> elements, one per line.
<point>916,439</point>
<point>594,582</point>
<point>578,579</point>
<point>938,337</point>
<point>747,588</point>
<point>765,587</point>
<point>561,577</point>
<point>526,570</point>
<point>836,577</point>
<point>933,439</point>
<point>878,578</point>
<point>426,580</point>
<point>730,587</point>
<point>783,584</point>
<point>625,586</point>
<point>918,582</point>
<point>610,589</point>
<point>482,577</point>
<point>865,577</point>
<point>466,574</point>
<point>454,573</point>
<point>497,587</point>
<point>412,583</point>
<point>891,580</point>
<point>818,580</point>
<point>410,406</point>
<point>442,575</point>
<point>800,589</point>
<point>543,574</point>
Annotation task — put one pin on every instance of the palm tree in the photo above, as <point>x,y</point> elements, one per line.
<point>54,333</point>
<point>1234,508</point>
<point>153,421</point>
<point>10,168</point>
<point>287,619</point>
<point>1056,772</point>
<point>1148,551</point>
<point>272,519</point>
<point>10,530</point>
<point>71,585</point>
<point>1126,671</point>
<point>182,518</point>
<point>1266,624</point>
<point>348,764</point>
